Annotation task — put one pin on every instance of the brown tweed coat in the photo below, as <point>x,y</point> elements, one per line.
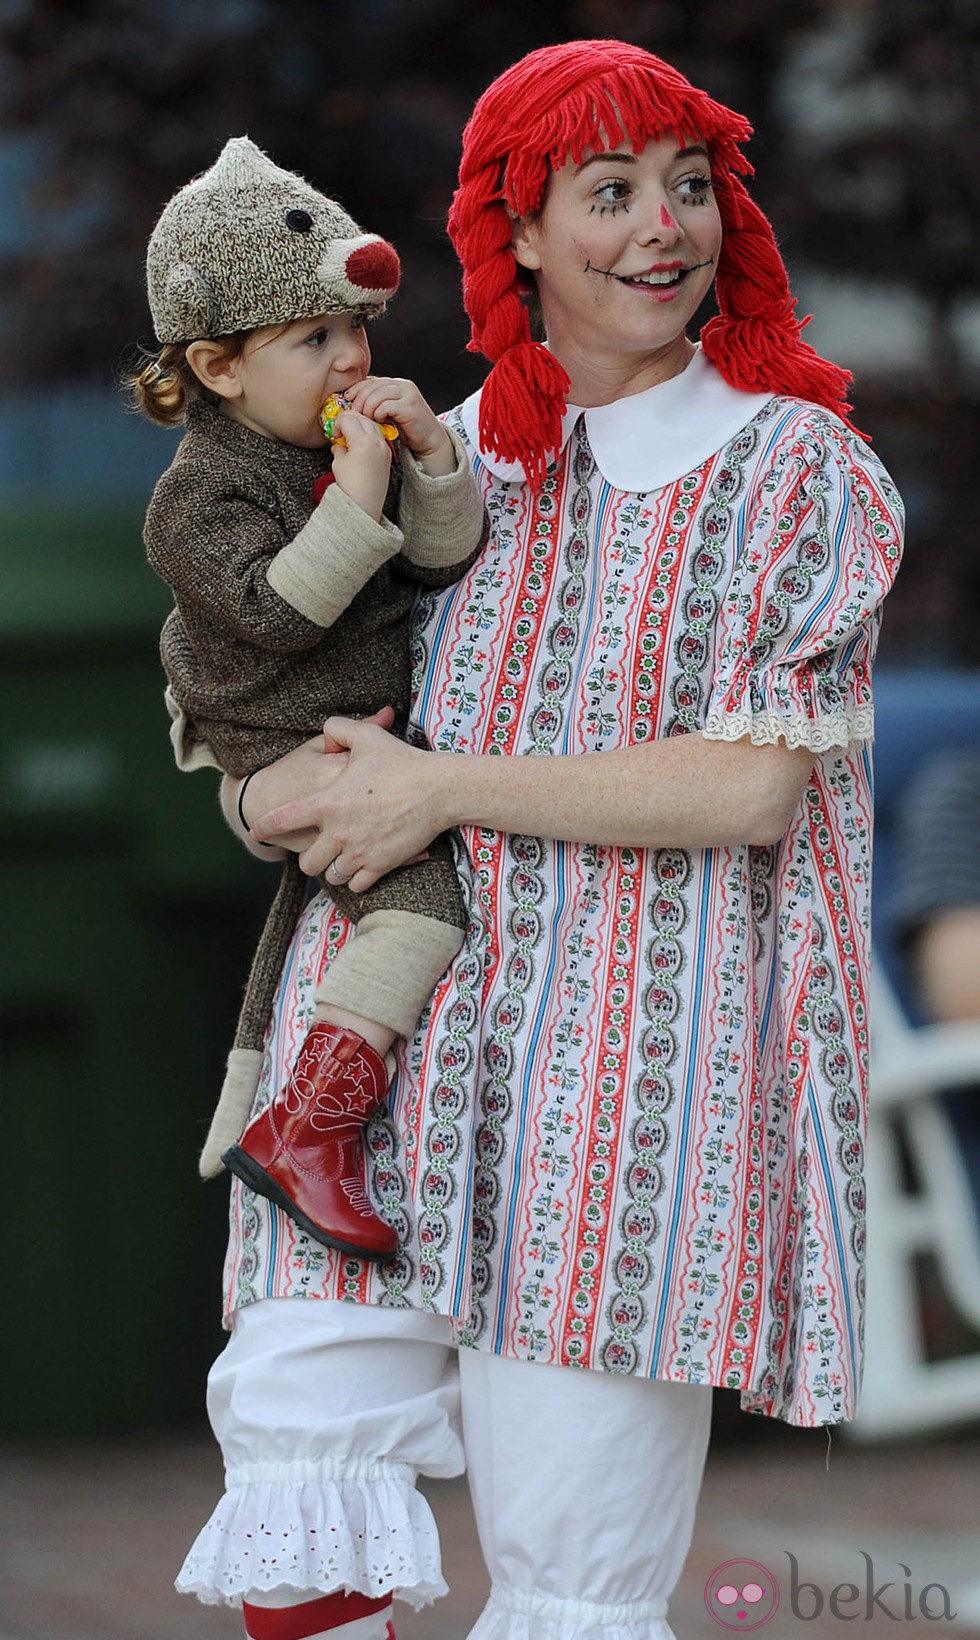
<point>286,612</point>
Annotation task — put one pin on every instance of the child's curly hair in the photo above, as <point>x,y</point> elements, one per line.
<point>165,381</point>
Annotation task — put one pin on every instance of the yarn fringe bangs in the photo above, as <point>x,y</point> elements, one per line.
<point>635,98</point>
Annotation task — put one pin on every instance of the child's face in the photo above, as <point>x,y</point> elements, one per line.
<point>284,375</point>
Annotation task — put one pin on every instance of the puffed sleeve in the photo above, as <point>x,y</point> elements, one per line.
<point>799,626</point>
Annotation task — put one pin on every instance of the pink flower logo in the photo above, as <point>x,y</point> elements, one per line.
<point>741,1595</point>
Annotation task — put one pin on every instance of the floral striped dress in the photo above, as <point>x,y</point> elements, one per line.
<point>628,1135</point>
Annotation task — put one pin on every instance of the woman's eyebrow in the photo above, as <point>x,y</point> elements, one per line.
<point>626,157</point>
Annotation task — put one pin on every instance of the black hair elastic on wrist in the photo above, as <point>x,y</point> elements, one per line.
<point>241,811</point>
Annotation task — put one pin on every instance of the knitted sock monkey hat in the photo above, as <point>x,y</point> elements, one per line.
<point>248,244</point>
<point>548,109</point>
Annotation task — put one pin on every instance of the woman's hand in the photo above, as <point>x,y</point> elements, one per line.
<point>382,801</point>
<point>298,774</point>
<point>377,809</point>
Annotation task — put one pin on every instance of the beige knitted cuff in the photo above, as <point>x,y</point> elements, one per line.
<point>441,518</point>
<point>390,967</point>
<point>234,1108</point>
<point>188,754</point>
<point>336,552</point>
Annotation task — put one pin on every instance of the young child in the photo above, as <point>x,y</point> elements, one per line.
<point>293,566</point>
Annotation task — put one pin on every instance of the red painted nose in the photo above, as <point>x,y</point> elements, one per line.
<point>375,266</point>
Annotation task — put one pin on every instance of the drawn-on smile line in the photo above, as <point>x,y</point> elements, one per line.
<point>660,282</point>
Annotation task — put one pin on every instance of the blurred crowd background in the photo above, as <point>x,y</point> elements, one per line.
<point>131,915</point>
<point>866,153</point>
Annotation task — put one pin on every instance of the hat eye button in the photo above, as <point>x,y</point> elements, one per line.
<point>299,221</point>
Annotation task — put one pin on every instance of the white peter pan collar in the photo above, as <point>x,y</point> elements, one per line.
<point>651,438</point>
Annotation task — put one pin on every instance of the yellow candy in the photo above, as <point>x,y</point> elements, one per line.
<point>333,407</point>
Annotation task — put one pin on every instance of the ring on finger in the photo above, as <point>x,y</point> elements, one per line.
<point>332,871</point>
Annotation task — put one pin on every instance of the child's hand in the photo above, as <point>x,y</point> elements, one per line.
<point>362,464</point>
<point>391,398</point>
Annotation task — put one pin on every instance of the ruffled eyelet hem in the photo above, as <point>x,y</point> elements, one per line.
<point>371,1535</point>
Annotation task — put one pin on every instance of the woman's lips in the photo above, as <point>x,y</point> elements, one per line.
<point>660,273</point>
<point>662,281</point>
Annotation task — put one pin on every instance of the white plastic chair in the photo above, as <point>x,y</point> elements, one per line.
<point>904,1392</point>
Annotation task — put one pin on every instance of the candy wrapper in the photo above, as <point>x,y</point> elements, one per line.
<point>334,406</point>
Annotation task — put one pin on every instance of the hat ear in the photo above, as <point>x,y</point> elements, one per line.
<point>191,302</point>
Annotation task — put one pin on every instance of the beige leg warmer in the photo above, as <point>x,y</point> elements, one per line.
<point>389,969</point>
<point>386,973</point>
<point>245,1058</point>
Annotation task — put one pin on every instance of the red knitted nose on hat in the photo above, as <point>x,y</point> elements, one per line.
<point>547,109</point>
<point>374,266</point>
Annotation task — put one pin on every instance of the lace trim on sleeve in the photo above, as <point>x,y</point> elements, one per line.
<point>823,734</point>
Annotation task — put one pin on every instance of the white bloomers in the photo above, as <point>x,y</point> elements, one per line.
<point>584,1484</point>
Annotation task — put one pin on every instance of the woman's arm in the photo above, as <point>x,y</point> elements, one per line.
<point>230,797</point>
<point>391,799</point>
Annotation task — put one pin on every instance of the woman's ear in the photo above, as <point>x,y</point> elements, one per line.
<point>216,369</point>
<point>524,233</point>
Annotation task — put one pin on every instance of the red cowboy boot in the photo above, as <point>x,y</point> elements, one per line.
<point>304,1151</point>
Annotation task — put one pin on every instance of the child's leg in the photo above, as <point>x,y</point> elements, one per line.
<point>380,981</point>
<point>304,1150</point>
<point>317,1617</point>
<point>326,1413</point>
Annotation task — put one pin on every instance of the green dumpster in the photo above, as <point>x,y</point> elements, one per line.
<point>129,915</point>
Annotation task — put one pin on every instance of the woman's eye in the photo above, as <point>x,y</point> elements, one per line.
<point>611,196</point>
<point>696,189</point>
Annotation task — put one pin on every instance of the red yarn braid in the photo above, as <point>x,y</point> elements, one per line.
<point>547,109</point>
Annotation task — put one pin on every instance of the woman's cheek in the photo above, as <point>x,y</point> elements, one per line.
<point>591,255</point>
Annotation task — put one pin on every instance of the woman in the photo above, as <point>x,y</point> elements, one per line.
<point>629,1136</point>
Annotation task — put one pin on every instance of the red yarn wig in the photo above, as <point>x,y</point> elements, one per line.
<point>548,109</point>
